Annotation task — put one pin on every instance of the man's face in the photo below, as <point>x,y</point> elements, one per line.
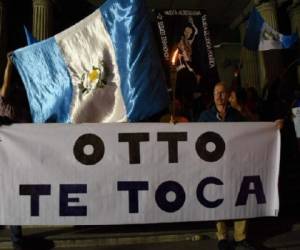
<point>220,95</point>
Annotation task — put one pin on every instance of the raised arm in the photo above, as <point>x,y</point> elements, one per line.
<point>7,77</point>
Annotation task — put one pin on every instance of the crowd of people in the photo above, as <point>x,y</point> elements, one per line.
<point>228,104</point>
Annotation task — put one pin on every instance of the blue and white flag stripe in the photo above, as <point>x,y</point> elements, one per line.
<point>261,36</point>
<point>103,69</point>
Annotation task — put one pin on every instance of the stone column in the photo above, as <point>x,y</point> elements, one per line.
<point>249,60</point>
<point>294,13</point>
<point>269,71</point>
<point>42,19</point>
<point>3,37</point>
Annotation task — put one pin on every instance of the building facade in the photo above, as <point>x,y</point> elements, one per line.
<point>47,17</point>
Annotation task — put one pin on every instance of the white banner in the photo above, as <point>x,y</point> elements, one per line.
<point>137,173</point>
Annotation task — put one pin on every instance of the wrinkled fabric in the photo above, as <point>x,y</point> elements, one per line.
<point>129,26</point>
<point>84,47</point>
<point>46,80</point>
<point>103,69</point>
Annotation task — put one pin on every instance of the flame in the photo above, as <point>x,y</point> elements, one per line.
<point>174,57</point>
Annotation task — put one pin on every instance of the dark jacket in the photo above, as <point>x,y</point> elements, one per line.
<point>212,115</point>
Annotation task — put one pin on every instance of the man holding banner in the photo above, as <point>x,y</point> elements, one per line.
<point>222,112</point>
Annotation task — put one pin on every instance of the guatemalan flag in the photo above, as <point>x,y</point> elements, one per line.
<point>103,69</point>
<point>261,36</point>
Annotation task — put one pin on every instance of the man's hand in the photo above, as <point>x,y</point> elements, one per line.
<point>279,123</point>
